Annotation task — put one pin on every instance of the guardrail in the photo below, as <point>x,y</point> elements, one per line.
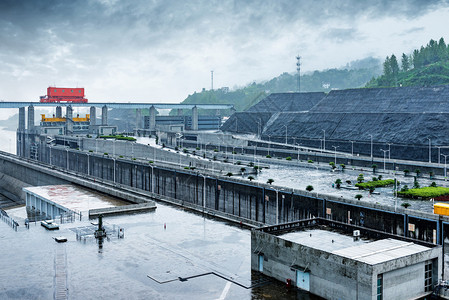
<point>8,220</point>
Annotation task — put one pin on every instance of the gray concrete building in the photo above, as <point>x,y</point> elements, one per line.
<point>317,256</point>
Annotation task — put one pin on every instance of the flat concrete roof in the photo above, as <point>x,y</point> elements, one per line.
<point>381,251</point>
<point>320,239</point>
<point>74,197</point>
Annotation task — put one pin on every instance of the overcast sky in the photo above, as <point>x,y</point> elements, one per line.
<point>161,51</point>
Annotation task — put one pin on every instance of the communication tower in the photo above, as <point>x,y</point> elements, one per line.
<point>298,69</point>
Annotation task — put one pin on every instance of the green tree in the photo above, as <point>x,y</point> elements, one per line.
<point>406,205</point>
<point>360,178</point>
<point>394,66</point>
<point>338,183</point>
<point>405,63</point>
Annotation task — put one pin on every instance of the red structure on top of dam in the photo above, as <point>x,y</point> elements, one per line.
<point>71,95</point>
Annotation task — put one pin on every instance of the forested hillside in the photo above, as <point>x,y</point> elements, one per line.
<point>424,67</point>
<point>353,75</point>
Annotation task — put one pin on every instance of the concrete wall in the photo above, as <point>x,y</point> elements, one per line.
<point>336,277</point>
<point>239,197</point>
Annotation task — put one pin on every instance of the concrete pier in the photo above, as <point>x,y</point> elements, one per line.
<point>31,119</point>
<point>195,118</point>
<point>93,116</point>
<point>152,126</point>
<point>104,115</point>
<point>58,112</point>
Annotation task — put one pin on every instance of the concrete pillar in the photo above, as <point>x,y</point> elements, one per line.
<point>58,112</point>
<point>93,116</point>
<point>104,115</point>
<point>69,112</point>
<point>31,118</point>
<point>195,118</point>
<point>69,122</point>
<point>138,119</point>
<point>152,118</point>
<point>22,119</point>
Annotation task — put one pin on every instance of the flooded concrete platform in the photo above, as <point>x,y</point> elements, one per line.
<point>164,244</point>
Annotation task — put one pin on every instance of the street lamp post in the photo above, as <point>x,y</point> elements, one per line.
<point>114,168</point>
<point>324,139</point>
<point>384,151</point>
<point>430,150</point>
<point>298,153</point>
<point>269,143</point>
<point>277,207</point>
<point>285,134</point>
<point>204,192</point>
<point>152,178</point>
<point>335,154</point>
<point>67,150</point>
<point>445,173</point>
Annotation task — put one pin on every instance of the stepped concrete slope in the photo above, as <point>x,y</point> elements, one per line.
<point>397,100</point>
<point>283,102</point>
<point>405,117</point>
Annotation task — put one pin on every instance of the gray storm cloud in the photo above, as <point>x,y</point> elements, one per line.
<point>162,43</point>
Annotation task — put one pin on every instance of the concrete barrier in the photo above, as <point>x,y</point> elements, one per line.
<point>122,209</point>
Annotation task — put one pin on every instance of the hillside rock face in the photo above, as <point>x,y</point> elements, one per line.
<point>405,118</point>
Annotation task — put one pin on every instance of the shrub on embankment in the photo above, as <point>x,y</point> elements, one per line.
<point>424,192</point>
<point>374,184</point>
<point>118,137</point>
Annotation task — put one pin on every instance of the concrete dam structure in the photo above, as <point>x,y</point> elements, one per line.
<point>406,120</point>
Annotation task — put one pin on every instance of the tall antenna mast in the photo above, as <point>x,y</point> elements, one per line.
<point>298,69</point>
<point>211,80</point>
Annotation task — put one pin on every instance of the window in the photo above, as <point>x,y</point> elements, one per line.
<point>428,277</point>
<point>380,282</point>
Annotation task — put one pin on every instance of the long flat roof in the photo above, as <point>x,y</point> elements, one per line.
<point>74,197</point>
<point>381,251</point>
<point>365,251</point>
<point>324,240</point>
<point>123,105</point>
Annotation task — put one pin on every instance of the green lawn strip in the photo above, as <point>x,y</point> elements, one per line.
<point>117,137</point>
<point>375,184</point>
<point>425,192</point>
